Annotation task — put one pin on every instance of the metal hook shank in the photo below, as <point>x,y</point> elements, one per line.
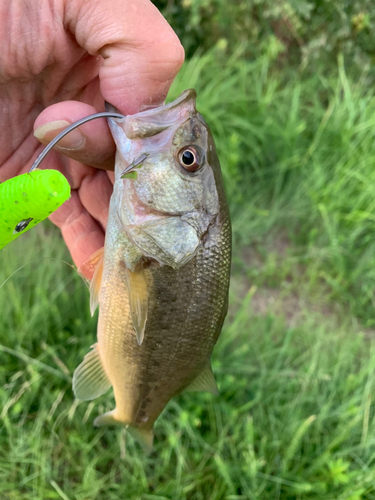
<point>62,134</point>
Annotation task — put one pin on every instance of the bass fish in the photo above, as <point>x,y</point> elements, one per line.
<point>161,281</point>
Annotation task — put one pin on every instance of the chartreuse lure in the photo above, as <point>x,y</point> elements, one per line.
<point>30,198</point>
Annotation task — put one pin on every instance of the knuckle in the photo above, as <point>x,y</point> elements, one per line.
<point>163,52</point>
<point>173,51</point>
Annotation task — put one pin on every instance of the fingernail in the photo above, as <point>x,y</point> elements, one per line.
<point>75,140</point>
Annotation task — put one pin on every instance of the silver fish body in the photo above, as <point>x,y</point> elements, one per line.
<point>162,279</point>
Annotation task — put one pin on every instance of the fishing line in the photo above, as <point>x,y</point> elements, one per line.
<point>41,260</point>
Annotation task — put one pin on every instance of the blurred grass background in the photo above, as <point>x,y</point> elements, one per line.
<point>286,88</point>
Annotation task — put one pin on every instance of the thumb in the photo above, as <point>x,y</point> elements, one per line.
<point>141,53</point>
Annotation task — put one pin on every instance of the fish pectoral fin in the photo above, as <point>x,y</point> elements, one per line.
<point>138,301</point>
<point>205,381</point>
<point>89,379</point>
<point>94,266</point>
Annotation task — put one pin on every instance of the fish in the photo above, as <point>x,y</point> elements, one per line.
<point>161,280</point>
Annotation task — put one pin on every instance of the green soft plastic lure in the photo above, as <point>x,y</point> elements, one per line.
<point>30,198</point>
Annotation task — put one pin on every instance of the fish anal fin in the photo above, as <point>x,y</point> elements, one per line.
<point>144,436</point>
<point>90,380</point>
<point>138,301</point>
<point>205,381</point>
<point>94,267</point>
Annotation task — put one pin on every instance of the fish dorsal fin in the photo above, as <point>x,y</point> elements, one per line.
<point>94,266</point>
<point>205,381</point>
<point>90,380</point>
<point>138,301</point>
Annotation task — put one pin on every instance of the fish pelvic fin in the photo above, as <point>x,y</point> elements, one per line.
<point>138,301</point>
<point>89,379</point>
<point>205,381</point>
<point>94,266</point>
<point>144,436</point>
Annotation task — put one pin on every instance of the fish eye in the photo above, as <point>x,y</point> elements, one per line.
<point>190,159</point>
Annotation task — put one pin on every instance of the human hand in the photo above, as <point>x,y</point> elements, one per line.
<point>81,52</point>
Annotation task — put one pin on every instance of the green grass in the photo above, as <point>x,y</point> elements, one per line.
<point>298,154</point>
<point>294,418</point>
<point>295,362</point>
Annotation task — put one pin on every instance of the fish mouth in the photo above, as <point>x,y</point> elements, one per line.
<point>152,121</point>
<point>187,95</point>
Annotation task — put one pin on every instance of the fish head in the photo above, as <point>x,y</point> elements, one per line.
<point>166,177</point>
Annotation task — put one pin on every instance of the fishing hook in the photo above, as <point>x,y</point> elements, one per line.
<point>74,125</point>
<point>134,164</point>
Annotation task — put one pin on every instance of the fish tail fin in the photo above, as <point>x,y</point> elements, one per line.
<point>144,436</point>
